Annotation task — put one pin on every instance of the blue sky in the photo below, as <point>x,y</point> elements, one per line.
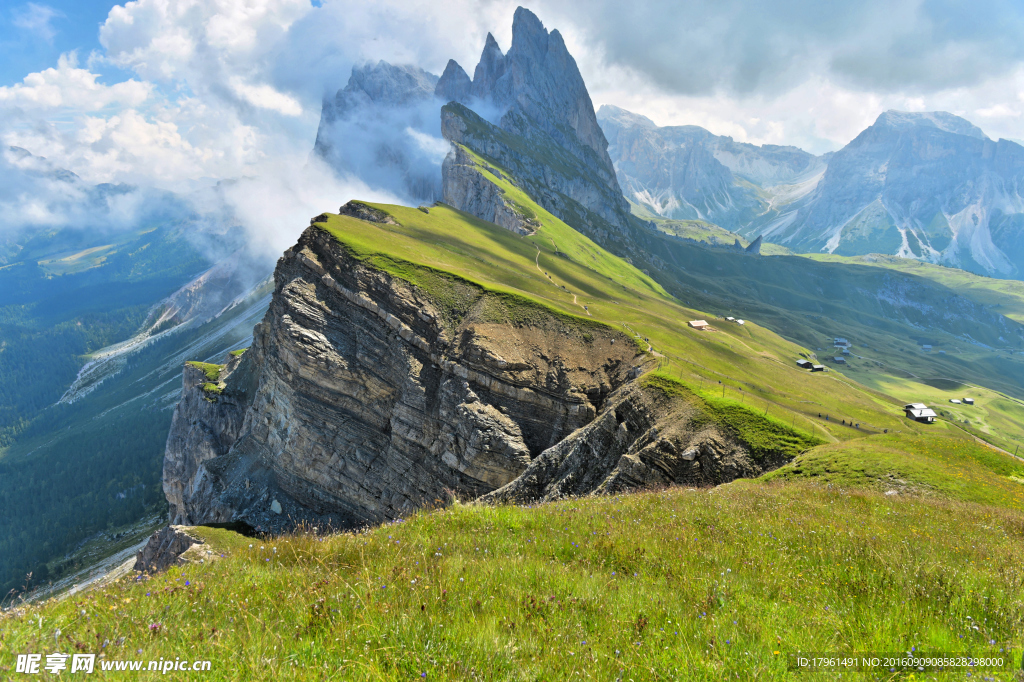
<point>34,35</point>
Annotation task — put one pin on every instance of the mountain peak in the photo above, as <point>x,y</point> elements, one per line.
<point>489,70</point>
<point>529,37</point>
<point>945,121</point>
<point>454,84</point>
<point>617,115</point>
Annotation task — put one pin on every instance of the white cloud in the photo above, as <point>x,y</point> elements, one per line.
<point>36,19</point>
<point>68,86</point>
<point>222,87</point>
<point>266,97</point>
<point>201,41</point>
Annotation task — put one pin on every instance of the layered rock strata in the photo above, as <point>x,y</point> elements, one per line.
<point>369,399</point>
<point>204,426</point>
<point>165,549</point>
<point>642,439</point>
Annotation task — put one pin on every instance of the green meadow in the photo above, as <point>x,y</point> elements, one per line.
<point>881,534</point>
<point>728,583</point>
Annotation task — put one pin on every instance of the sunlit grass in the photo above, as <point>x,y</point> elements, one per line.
<point>679,584</point>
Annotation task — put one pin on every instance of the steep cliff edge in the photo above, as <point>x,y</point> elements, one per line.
<point>375,397</point>
<point>377,385</point>
<point>206,422</point>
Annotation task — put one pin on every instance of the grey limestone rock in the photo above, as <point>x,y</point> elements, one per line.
<point>204,426</point>
<point>466,188</point>
<point>640,440</point>
<point>370,401</point>
<point>454,84</point>
<point>165,548</point>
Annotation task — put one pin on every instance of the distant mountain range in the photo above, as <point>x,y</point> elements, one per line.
<point>929,186</point>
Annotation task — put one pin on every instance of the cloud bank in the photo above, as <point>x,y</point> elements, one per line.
<point>207,90</point>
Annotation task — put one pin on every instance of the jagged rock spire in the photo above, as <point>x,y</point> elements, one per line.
<point>490,69</point>
<point>454,85</point>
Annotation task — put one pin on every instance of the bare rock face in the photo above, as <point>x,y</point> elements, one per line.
<point>539,89</point>
<point>640,440</point>
<point>165,548</point>
<point>466,187</point>
<point>454,84</point>
<point>369,399</point>
<point>204,426</point>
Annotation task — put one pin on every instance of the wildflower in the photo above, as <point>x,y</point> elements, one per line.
<point>187,583</point>
<point>155,627</point>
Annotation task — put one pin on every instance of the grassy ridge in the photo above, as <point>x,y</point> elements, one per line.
<point>701,585</point>
<point>753,364</point>
<point>743,376</point>
<point>925,465</point>
<point>762,434</point>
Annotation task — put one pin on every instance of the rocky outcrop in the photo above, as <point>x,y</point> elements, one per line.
<point>550,174</point>
<point>454,84</point>
<point>372,398</point>
<point>165,549</point>
<point>642,439</point>
<point>206,422</point>
<point>541,93</point>
<point>466,187</point>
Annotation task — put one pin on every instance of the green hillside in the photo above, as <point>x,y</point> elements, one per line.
<point>867,541</point>
<point>728,583</point>
<point>1006,296</point>
<point>90,468</point>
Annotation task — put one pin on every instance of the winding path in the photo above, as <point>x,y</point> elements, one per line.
<point>536,260</point>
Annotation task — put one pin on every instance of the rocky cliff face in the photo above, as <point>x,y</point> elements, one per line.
<point>206,422</point>
<point>540,91</point>
<point>549,173</point>
<point>367,399</point>
<point>642,439</point>
<point>466,187</point>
